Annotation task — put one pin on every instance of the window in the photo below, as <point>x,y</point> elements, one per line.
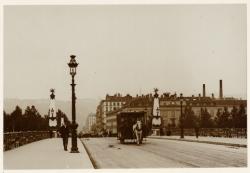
<point>177,113</point>
<point>212,112</point>
<point>169,113</point>
<point>173,114</point>
<point>173,122</point>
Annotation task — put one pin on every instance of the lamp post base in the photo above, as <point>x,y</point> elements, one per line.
<point>156,132</point>
<point>74,148</point>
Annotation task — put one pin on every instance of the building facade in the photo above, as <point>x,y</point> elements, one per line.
<point>109,104</point>
<point>170,107</point>
<point>137,104</point>
<point>91,120</point>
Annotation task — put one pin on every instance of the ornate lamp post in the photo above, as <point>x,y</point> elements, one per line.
<point>72,65</point>
<point>52,114</point>
<point>182,118</point>
<point>157,112</point>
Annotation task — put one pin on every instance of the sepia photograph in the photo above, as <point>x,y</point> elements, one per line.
<point>121,86</point>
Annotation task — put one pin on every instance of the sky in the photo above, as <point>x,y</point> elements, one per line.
<point>124,49</point>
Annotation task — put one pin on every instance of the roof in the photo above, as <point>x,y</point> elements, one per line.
<point>127,113</point>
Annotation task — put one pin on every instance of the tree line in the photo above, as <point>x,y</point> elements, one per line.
<point>236,118</point>
<point>30,120</point>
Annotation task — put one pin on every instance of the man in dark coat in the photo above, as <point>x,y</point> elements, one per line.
<point>64,131</point>
<point>196,129</point>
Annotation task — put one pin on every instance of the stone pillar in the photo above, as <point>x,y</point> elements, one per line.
<point>156,120</point>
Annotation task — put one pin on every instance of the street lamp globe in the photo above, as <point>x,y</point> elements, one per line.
<point>72,65</point>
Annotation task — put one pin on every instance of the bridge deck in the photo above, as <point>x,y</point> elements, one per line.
<point>46,154</point>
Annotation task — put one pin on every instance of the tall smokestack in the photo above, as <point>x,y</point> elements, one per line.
<point>221,90</point>
<point>204,90</point>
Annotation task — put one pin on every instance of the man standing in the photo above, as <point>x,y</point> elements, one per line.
<point>64,131</point>
<point>196,129</point>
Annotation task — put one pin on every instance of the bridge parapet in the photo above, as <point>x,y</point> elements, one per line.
<point>16,139</point>
<point>213,132</point>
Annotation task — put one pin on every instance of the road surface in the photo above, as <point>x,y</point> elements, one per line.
<point>162,153</point>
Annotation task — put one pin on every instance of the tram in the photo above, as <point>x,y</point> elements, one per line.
<point>125,123</point>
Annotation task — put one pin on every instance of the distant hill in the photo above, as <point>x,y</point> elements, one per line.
<point>83,107</point>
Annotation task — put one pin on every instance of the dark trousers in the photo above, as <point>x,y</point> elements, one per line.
<point>65,143</point>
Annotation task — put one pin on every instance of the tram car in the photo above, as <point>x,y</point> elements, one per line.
<point>131,126</point>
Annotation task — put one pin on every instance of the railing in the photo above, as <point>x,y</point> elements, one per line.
<point>16,139</point>
<point>214,132</point>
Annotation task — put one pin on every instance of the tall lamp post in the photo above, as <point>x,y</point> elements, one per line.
<point>72,65</point>
<point>182,118</point>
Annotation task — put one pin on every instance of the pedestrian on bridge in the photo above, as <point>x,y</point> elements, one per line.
<point>64,131</point>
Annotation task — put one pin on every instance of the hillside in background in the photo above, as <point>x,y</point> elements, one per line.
<point>83,107</point>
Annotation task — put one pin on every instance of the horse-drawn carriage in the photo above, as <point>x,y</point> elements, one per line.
<point>131,126</point>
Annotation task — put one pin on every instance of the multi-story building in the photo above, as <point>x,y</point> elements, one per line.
<point>137,104</point>
<point>170,107</point>
<point>110,103</point>
<point>90,121</point>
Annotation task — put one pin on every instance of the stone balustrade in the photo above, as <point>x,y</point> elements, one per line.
<point>16,139</point>
<point>214,132</point>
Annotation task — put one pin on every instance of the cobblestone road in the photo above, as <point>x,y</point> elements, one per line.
<point>160,153</point>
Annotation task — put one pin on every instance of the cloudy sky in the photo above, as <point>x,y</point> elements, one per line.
<point>125,49</point>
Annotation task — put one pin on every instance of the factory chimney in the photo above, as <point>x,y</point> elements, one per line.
<point>221,90</point>
<point>204,90</point>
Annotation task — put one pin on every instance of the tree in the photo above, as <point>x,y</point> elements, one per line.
<point>33,120</point>
<point>235,118</point>
<point>7,122</point>
<point>190,120</point>
<point>223,119</point>
<point>30,120</point>
<point>206,119</point>
<point>217,119</point>
<point>16,119</point>
<point>242,117</point>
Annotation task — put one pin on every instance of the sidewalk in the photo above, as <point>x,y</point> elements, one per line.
<point>47,154</point>
<point>237,142</point>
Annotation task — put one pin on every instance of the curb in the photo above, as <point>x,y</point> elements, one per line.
<point>207,142</point>
<point>90,156</point>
